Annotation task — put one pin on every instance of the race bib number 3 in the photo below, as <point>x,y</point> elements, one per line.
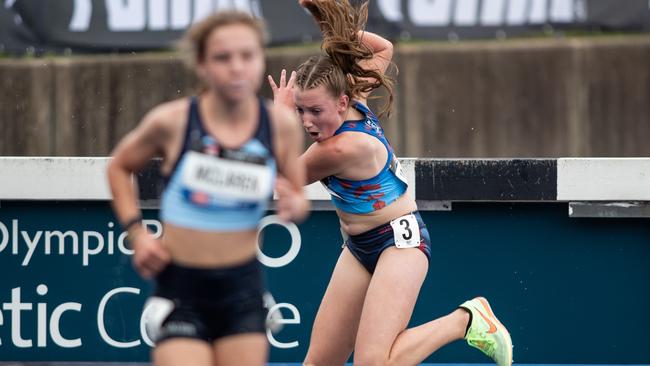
<point>226,178</point>
<point>406,231</point>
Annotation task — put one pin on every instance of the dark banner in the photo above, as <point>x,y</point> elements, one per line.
<point>28,26</point>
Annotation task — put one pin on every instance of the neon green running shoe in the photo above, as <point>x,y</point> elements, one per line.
<point>487,333</point>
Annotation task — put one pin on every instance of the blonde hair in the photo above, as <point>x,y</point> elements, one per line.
<point>194,42</point>
<point>338,68</point>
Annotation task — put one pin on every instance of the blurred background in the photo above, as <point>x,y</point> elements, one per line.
<point>477,78</point>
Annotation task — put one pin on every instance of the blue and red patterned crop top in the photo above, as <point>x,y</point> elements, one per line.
<point>368,195</point>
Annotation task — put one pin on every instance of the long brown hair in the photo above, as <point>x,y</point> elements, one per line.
<point>338,68</point>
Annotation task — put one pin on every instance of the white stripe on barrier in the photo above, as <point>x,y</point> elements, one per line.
<point>603,179</point>
<point>80,178</point>
<point>316,191</point>
<point>408,165</point>
<point>48,178</point>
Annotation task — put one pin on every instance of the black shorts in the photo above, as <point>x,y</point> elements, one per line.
<point>206,304</point>
<point>368,246</point>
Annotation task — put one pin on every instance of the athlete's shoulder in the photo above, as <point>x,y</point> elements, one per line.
<point>347,146</point>
<point>169,113</point>
<point>357,141</point>
<point>166,119</point>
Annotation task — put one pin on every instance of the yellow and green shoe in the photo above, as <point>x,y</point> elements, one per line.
<point>487,333</point>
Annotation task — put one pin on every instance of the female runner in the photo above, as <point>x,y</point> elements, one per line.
<point>221,150</point>
<point>370,298</point>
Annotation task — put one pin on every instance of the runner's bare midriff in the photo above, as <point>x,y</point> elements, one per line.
<point>209,249</point>
<point>354,224</point>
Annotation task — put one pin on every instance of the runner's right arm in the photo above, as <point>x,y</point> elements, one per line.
<point>132,154</point>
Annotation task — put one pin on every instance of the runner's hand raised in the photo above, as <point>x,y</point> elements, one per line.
<point>283,93</point>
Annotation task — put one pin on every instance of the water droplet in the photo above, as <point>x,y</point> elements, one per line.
<point>453,37</point>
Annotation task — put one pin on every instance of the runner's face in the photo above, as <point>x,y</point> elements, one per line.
<point>233,63</point>
<point>320,112</point>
